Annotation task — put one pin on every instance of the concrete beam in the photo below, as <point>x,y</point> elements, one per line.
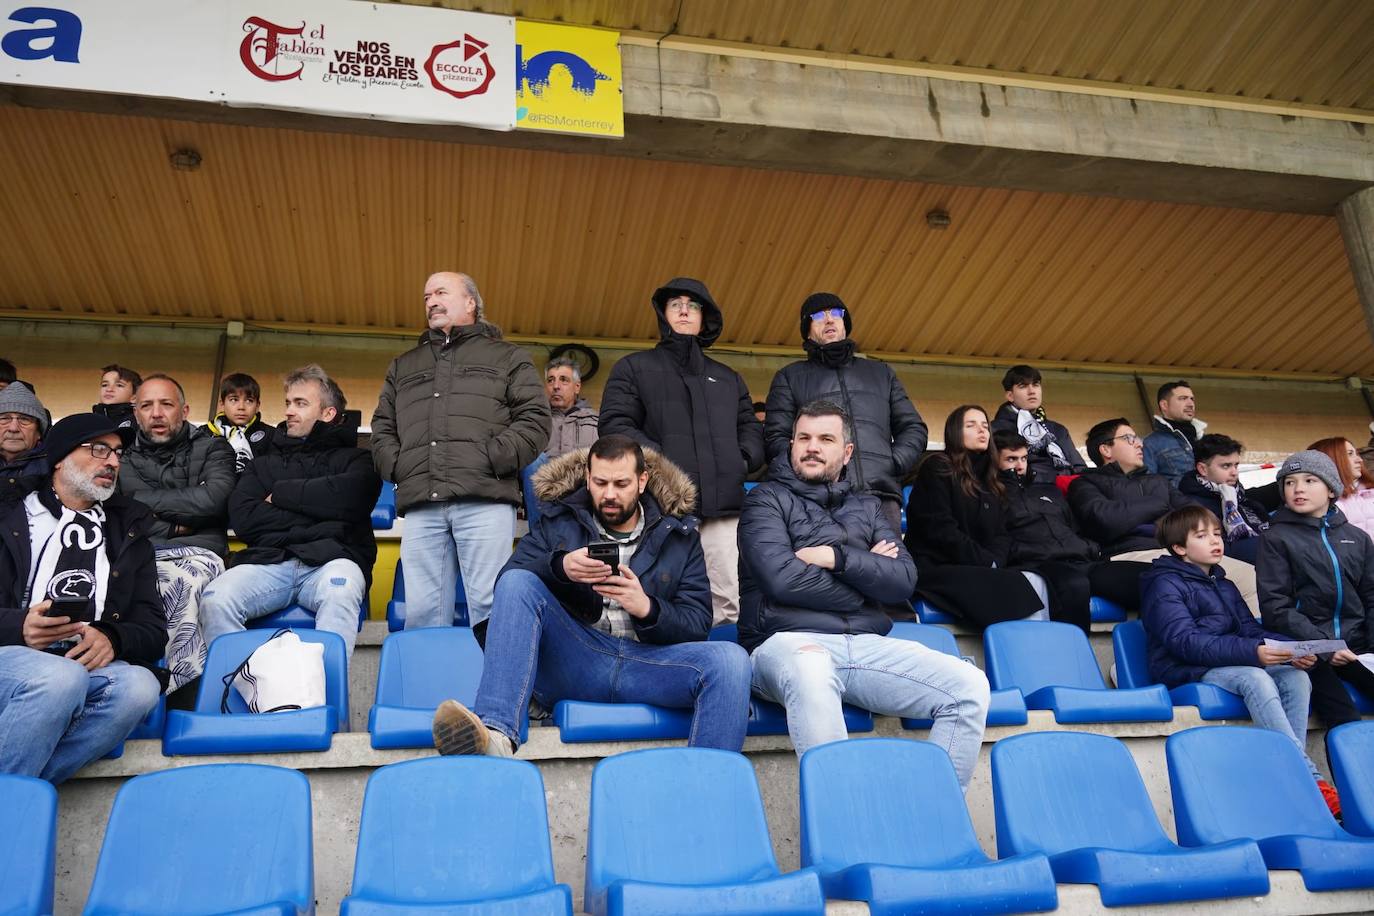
<point>1356,219</point>
<point>696,106</point>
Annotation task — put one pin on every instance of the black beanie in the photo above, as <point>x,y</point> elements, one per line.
<point>68,433</point>
<point>819,302</point>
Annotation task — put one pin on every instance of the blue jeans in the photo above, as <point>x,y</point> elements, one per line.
<point>1277,697</point>
<point>535,647</point>
<point>440,540</point>
<point>811,674</point>
<point>333,592</point>
<point>56,717</point>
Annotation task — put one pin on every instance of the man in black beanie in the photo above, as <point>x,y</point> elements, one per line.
<point>697,413</point>
<point>890,435</point>
<point>81,625</point>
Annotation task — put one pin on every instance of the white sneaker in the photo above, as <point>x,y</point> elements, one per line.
<point>457,730</point>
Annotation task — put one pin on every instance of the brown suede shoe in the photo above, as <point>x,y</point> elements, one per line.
<point>457,730</point>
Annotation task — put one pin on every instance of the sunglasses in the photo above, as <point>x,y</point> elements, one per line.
<point>827,313</point>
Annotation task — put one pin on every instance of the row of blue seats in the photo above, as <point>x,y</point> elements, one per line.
<point>683,830</point>
<point>1030,665</point>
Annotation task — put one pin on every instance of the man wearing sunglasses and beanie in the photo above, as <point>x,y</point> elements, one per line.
<point>890,435</point>
<point>81,623</point>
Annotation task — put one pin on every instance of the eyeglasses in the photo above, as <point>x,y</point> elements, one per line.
<point>100,450</point>
<point>684,304</point>
<point>827,313</point>
<point>24,420</point>
<point>1131,438</point>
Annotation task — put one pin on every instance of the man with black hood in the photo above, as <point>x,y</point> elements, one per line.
<point>890,435</point>
<point>698,414</point>
<point>305,512</point>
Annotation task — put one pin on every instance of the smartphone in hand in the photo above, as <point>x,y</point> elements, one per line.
<point>80,610</point>
<point>607,552</point>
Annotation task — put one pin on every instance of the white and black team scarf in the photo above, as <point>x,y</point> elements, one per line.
<point>68,558</point>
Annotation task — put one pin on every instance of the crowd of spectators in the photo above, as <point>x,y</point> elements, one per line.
<point>683,504</point>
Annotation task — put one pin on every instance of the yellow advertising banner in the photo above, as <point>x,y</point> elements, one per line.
<point>568,80</point>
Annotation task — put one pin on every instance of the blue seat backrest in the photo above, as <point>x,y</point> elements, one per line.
<point>422,668</point>
<point>1030,654</point>
<point>927,634</point>
<point>883,800</point>
<point>228,652</point>
<point>241,835</point>
<point>1057,791</point>
<point>1231,781</point>
<point>677,816</point>
<point>446,829</point>
<point>28,844</point>
<point>1131,655</point>
<point>1350,748</point>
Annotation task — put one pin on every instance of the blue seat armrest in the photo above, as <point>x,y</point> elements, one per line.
<point>1125,878</point>
<point>247,733</point>
<point>1078,704</point>
<point>1212,702</point>
<point>797,892</point>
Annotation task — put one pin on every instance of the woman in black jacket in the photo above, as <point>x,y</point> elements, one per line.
<point>956,532</point>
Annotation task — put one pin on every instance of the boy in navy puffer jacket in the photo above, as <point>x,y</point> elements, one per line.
<point>1198,629</point>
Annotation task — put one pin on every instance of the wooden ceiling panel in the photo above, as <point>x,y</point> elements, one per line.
<point>336,230</point>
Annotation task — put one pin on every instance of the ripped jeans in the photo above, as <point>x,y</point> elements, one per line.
<point>332,592</point>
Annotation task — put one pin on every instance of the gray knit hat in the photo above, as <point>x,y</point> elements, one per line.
<point>1318,465</point>
<point>17,398</point>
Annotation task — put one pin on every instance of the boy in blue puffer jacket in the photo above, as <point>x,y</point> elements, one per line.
<point>1198,629</point>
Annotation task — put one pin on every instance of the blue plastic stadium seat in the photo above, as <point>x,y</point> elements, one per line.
<point>208,731</point>
<point>1362,703</point>
<point>1100,610</point>
<point>1079,799</point>
<point>420,669</point>
<point>396,607</point>
<point>384,513</point>
<point>1054,668</point>
<point>906,498</point>
<point>1133,671</point>
<point>766,718</point>
<point>682,830</point>
<point>457,835</point>
<point>1006,707</point>
<point>581,721</point>
<point>1239,782</point>
<point>241,835</point>
<point>871,839</point>
<point>1350,750</point>
<point>297,618</point>
<point>28,844</point>
<point>152,726</point>
<point>527,488</point>
<point>725,632</point>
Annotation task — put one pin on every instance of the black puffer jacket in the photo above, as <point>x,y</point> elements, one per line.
<point>1040,461</point>
<point>185,482</point>
<point>689,408</point>
<point>1315,578</point>
<point>121,415</point>
<point>323,488</point>
<point>1040,523</point>
<point>890,435</point>
<point>458,418</point>
<point>1119,510</point>
<point>132,620</point>
<point>780,593</point>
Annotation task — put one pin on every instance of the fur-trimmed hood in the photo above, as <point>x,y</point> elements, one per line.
<point>669,485</point>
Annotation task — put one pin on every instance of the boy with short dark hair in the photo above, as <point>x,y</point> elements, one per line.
<point>1215,485</point>
<point>1198,628</point>
<point>239,420</point>
<point>1317,581</point>
<point>117,387</point>
<point>1052,452</point>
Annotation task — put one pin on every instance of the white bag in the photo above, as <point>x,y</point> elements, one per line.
<point>283,673</point>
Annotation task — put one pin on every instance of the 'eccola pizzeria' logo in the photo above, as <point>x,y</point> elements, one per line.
<point>460,68</point>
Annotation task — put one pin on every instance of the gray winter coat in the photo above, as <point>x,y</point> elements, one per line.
<point>572,430</point>
<point>458,418</point>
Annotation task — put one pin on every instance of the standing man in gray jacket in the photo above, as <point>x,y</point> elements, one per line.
<point>184,474</point>
<point>574,420</point>
<point>459,416</point>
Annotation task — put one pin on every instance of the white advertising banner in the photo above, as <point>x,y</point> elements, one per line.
<point>335,57</point>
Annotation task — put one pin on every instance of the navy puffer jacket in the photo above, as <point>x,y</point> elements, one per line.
<point>1195,621</point>
<point>778,592</point>
<point>1316,578</point>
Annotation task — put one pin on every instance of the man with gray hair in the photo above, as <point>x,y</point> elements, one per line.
<point>23,461</point>
<point>459,415</point>
<point>305,512</point>
<point>574,420</point>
